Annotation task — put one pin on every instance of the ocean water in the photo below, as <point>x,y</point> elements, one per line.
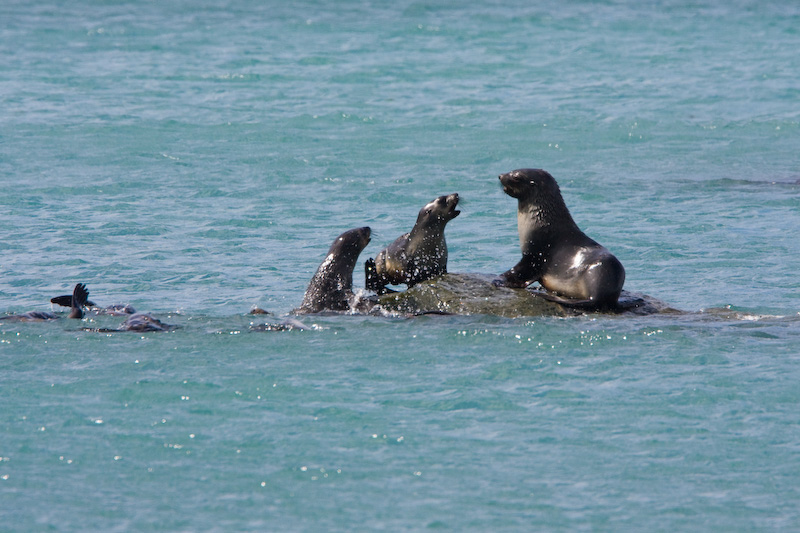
<point>196,159</point>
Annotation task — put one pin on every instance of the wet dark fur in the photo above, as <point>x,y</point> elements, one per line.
<point>418,255</point>
<point>331,288</point>
<point>574,269</point>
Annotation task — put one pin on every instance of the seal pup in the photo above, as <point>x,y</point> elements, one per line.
<point>331,288</point>
<point>575,270</point>
<point>418,255</point>
<point>77,301</point>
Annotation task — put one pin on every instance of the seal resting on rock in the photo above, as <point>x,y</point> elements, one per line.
<point>331,288</point>
<point>420,254</point>
<point>574,269</point>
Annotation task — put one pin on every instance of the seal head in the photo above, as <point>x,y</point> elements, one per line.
<point>574,269</point>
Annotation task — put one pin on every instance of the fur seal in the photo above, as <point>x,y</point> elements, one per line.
<point>418,255</point>
<point>575,269</point>
<point>77,301</point>
<point>139,322</point>
<point>143,322</point>
<point>331,288</point>
<point>113,310</point>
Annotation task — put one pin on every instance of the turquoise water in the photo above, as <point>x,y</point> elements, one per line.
<point>195,159</point>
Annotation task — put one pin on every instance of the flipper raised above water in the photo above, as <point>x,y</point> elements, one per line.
<point>65,300</point>
<point>80,295</point>
<point>76,301</point>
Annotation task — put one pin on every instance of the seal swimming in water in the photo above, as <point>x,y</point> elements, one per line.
<point>418,255</point>
<point>575,269</point>
<point>331,288</point>
<point>77,301</point>
<point>114,310</point>
<point>139,322</point>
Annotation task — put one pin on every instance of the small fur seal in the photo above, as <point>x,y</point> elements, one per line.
<point>139,322</point>
<point>77,301</point>
<point>114,310</point>
<point>575,269</point>
<point>418,255</point>
<point>143,322</point>
<point>331,288</point>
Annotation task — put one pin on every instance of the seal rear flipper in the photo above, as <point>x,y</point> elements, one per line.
<point>65,300</point>
<point>80,295</point>
<point>574,303</point>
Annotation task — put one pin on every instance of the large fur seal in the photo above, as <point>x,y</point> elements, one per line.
<point>575,269</point>
<point>77,301</point>
<point>418,255</point>
<point>331,288</point>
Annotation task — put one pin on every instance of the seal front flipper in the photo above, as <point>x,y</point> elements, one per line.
<point>371,282</point>
<point>80,295</point>
<point>519,276</point>
<point>374,282</point>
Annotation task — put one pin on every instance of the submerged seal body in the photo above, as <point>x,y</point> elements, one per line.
<point>575,269</point>
<point>143,322</point>
<point>331,288</point>
<point>420,254</point>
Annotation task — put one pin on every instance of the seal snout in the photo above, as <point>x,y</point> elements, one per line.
<point>506,182</point>
<point>452,202</point>
<point>366,234</point>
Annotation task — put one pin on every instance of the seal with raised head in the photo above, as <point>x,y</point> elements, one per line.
<point>331,288</point>
<point>575,269</point>
<point>418,255</point>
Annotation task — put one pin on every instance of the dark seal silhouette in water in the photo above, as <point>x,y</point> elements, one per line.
<point>144,322</point>
<point>115,310</point>
<point>331,288</point>
<point>77,301</point>
<point>574,269</point>
<point>418,255</point>
<point>141,322</point>
<point>138,322</point>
